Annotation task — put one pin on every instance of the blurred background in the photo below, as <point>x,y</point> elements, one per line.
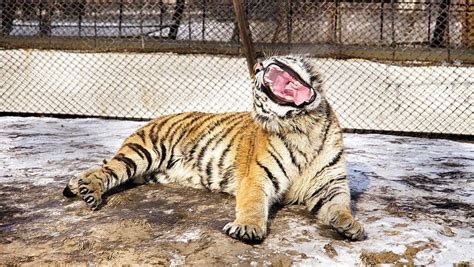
<point>389,65</point>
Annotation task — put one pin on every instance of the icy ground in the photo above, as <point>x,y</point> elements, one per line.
<point>415,197</point>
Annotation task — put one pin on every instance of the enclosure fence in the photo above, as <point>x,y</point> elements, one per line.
<point>388,65</point>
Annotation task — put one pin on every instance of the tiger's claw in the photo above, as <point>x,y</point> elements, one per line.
<point>245,232</point>
<point>90,193</point>
<point>347,226</point>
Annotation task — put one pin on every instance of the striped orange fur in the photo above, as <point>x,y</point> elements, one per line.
<point>283,151</point>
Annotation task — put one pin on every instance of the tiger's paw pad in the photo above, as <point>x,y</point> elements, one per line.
<point>90,193</point>
<point>245,232</point>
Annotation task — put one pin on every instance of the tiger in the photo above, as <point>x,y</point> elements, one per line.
<point>287,150</point>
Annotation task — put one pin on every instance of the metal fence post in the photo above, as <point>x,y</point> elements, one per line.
<point>245,38</point>
<point>120,17</point>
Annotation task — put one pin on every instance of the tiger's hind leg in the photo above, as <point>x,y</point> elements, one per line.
<point>72,188</point>
<point>134,159</point>
<point>89,185</point>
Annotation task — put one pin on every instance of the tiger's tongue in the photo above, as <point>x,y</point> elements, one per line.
<point>284,86</point>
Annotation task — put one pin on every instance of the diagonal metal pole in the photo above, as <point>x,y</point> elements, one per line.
<point>245,37</point>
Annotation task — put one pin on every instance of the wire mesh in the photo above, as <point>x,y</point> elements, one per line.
<point>392,65</point>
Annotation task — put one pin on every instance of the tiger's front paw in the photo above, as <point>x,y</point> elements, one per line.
<point>354,231</point>
<point>247,233</point>
<point>90,192</point>
<point>347,226</point>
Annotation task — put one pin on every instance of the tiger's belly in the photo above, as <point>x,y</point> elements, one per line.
<point>186,173</point>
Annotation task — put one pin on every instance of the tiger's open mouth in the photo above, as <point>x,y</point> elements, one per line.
<point>285,87</point>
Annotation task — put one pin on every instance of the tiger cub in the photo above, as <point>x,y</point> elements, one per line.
<point>288,149</point>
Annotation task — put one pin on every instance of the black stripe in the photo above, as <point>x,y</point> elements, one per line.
<point>177,123</point>
<point>152,177</point>
<point>331,195</point>
<point>333,162</point>
<point>162,155</point>
<point>200,156</point>
<point>195,129</point>
<point>226,150</point>
<point>183,133</point>
<point>326,130</point>
<point>202,123</point>
<point>129,164</point>
<point>155,150</point>
<point>279,163</point>
<point>151,134</point>
<point>154,133</point>
<point>171,162</point>
<point>228,173</point>
<point>185,127</point>
<point>224,134</point>
<point>136,150</point>
<point>292,147</point>
<point>203,183</point>
<point>298,130</point>
<point>270,176</point>
<point>204,148</point>
<point>292,156</point>
<point>329,183</point>
<point>314,78</point>
<point>141,133</point>
<point>140,150</point>
<point>227,132</point>
<point>217,123</point>
<point>209,170</point>
<point>111,173</point>
<point>305,156</point>
<point>224,153</point>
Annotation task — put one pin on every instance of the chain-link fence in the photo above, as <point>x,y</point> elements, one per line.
<point>388,65</point>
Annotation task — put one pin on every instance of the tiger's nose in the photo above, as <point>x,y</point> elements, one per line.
<point>257,67</point>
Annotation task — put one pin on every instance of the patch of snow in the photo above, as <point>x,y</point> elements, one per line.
<point>168,211</point>
<point>178,260</point>
<point>189,236</point>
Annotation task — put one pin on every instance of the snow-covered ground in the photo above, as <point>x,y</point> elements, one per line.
<point>415,197</point>
<point>365,94</point>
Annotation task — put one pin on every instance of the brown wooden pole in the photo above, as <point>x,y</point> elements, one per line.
<point>245,38</point>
